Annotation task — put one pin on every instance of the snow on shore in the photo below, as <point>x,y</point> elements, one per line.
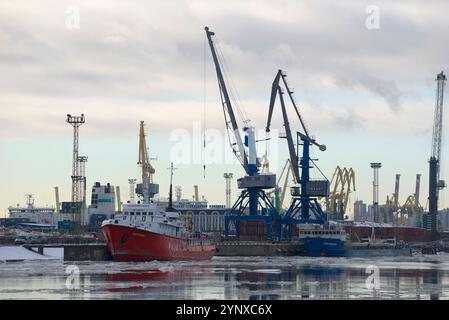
<point>17,253</point>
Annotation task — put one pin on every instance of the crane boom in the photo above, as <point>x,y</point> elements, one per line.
<point>274,90</point>
<point>277,90</point>
<point>227,106</point>
<point>291,144</point>
<point>438,119</point>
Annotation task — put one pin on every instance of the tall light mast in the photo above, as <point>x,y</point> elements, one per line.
<point>75,122</point>
<point>435,184</point>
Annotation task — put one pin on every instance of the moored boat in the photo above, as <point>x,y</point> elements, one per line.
<point>321,240</point>
<point>144,232</point>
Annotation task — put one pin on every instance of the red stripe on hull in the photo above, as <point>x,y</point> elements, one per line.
<point>131,244</point>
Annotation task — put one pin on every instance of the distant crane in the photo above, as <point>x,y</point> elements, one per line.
<point>391,207</point>
<point>435,184</point>
<point>343,180</point>
<point>410,212</point>
<point>147,189</point>
<point>304,207</point>
<point>253,196</point>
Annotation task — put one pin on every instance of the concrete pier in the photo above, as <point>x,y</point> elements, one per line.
<point>92,252</point>
<point>256,248</point>
<point>76,252</point>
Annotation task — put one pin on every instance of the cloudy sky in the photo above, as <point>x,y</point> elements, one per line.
<point>366,92</point>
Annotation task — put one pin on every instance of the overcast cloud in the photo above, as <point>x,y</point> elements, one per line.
<point>146,58</point>
<point>366,93</point>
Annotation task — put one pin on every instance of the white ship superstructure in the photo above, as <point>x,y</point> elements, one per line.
<point>40,215</point>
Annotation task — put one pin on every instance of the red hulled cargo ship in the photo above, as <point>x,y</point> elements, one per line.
<point>144,232</point>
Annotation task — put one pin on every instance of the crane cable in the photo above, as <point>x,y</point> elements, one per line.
<point>232,89</point>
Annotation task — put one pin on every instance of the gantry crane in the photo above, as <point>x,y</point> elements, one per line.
<point>435,184</point>
<point>253,203</point>
<point>304,207</point>
<point>342,180</point>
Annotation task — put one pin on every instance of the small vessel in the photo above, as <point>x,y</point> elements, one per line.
<point>32,214</point>
<point>145,232</point>
<point>317,240</point>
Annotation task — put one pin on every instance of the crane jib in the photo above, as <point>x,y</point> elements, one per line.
<point>227,106</point>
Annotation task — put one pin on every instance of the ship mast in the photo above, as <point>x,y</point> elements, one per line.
<point>170,195</point>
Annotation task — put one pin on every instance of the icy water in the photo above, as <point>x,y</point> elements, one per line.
<point>419,277</point>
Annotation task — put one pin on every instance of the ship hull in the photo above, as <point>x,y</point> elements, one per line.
<point>132,244</point>
<point>407,234</point>
<point>321,247</point>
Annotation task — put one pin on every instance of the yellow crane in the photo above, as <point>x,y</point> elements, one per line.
<point>343,180</point>
<point>411,211</point>
<point>392,206</point>
<point>147,189</point>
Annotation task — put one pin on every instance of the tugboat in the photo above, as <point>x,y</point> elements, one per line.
<point>143,231</point>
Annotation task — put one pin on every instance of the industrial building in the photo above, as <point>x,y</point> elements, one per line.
<point>102,204</point>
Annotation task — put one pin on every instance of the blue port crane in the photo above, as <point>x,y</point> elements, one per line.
<point>253,204</point>
<point>304,207</point>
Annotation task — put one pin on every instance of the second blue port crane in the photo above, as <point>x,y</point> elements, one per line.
<point>304,208</point>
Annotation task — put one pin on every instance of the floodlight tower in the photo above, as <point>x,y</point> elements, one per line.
<point>75,122</point>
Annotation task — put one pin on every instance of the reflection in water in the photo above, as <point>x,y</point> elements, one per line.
<point>231,278</point>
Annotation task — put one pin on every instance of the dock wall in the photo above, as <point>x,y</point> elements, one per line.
<point>251,248</point>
